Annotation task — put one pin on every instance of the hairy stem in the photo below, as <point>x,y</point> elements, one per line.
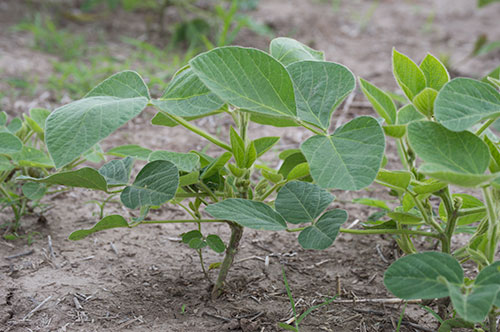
<point>492,224</point>
<point>485,126</point>
<point>232,248</point>
<point>492,320</point>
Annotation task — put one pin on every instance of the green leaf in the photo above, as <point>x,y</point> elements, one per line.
<point>162,119</point>
<point>320,87</point>
<point>130,150</point>
<point>473,304</point>
<point>429,186</point>
<point>39,115</point>
<point>83,178</point>
<point>215,243</point>
<point>156,183</point>
<point>5,164</point>
<point>197,244</point>
<point>482,3</point>
<point>290,162</point>
<point>185,162</point>
<point>396,131</point>
<point>381,101</point>
<point>301,202</point>
<point>188,236</point>
<point>250,155</point>
<point>117,172</point>
<point>300,172</point>
<point>372,202</point>
<point>264,144</point>
<point>113,221</point>
<point>14,125</point>
<point>3,118</point>
<point>323,233</point>
<point>275,121</point>
<point>468,202</point>
<point>187,96</point>
<point>288,50</point>
<point>189,179</point>
<point>409,76</point>
<point>405,218</point>
<point>216,165</point>
<point>273,177</point>
<point>495,74</point>
<point>31,157</point>
<point>408,114</point>
<point>238,147</point>
<point>251,214</point>
<point>247,78</point>
<point>435,72</point>
<point>463,102</point>
<point>350,158</point>
<point>416,276</point>
<point>33,191</point>
<point>459,158</point>
<point>424,101</point>
<point>490,275</point>
<point>74,128</point>
<point>398,180</point>
<point>9,143</point>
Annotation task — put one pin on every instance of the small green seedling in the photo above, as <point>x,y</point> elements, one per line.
<point>443,140</point>
<point>290,86</point>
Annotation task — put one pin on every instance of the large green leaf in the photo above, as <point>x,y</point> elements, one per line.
<point>247,78</point>
<point>435,72</point>
<point>416,276</point>
<point>74,128</point>
<point>187,96</point>
<point>9,143</point>
<point>185,162</point>
<point>130,150</point>
<point>490,275</point>
<point>381,101</point>
<point>473,304</point>
<point>251,214</point>
<point>5,164</point>
<point>463,102</point>
<point>301,202</point>
<point>460,157</point>
<point>83,178</point>
<point>350,158</point>
<point>117,172</point>
<point>113,221</point>
<point>288,50</point>
<point>323,233</point>
<point>319,88</point>
<point>155,184</point>
<point>409,76</point>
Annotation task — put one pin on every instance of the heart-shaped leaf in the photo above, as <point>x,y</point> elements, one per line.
<point>247,78</point>
<point>185,162</point>
<point>117,172</point>
<point>155,184</point>
<point>288,50</point>
<point>215,243</point>
<point>463,102</point>
<point>350,158</point>
<point>251,214</point>
<point>319,88</point>
<point>323,233</point>
<point>417,276</point>
<point>301,202</point>
<point>187,96</point>
<point>74,128</point>
<point>113,221</point>
<point>460,157</point>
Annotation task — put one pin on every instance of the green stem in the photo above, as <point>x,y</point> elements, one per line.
<point>271,190</point>
<point>452,213</point>
<point>208,191</point>
<point>200,254</point>
<point>232,248</point>
<point>314,130</point>
<point>485,126</point>
<point>181,221</point>
<point>378,231</point>
<point>492,224</point>
<point>197,130</point>
<point>402,154</point>
<point>428,219</point>
<point>469,211</point>
<point>492,320</point>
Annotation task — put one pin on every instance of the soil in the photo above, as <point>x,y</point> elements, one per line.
<point>145,279</point>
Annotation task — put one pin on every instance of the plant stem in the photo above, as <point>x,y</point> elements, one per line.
<point>232,248</point>
<point>485,126</point>
<point>271,190</point>
<point>305,125</point>
<point>452,213</point>
<point>208,191</point>
<point>180,221</point>
<point>379,231</point>
<point>402,154</point>
<point>492,224</point>
<point>428,219</point>
<point>197,130</point>
<point>469,211</point>
<point>492,320</point>
<point>203,264</point>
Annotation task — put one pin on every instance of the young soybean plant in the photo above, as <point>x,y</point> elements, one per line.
<point>290,86</point>
<point>444,125</point>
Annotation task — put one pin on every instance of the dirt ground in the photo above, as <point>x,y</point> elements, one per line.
<point>145,279</point>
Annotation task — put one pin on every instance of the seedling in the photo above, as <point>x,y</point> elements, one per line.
<point>290,86</point>
<point>443,139</point>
